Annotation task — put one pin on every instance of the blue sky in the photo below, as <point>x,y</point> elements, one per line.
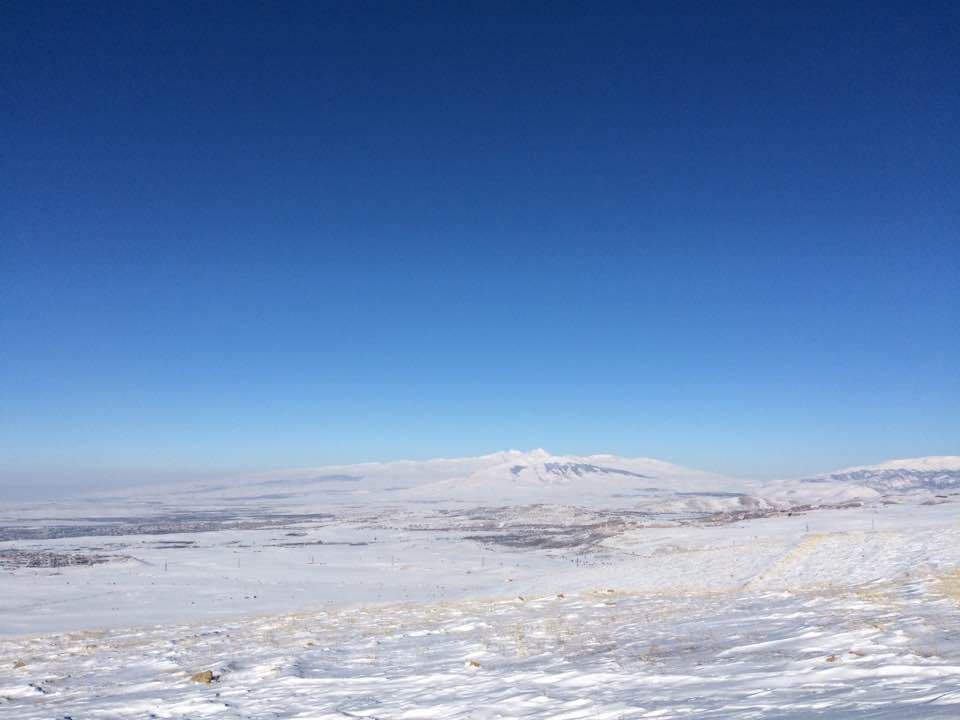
<point>722,234</point>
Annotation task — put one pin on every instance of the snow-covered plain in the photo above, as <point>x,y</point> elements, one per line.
<point>515,585</point>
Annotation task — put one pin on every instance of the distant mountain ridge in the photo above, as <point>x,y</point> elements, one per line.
<point>938,472</point>
<point>537,477</point>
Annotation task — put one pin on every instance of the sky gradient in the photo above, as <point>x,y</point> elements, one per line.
<point>237,238</point>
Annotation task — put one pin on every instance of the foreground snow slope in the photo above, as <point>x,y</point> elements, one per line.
<point>839,613</point>
<point>515,585</point>
<point>881,651</point>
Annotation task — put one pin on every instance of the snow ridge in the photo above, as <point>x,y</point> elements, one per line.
<point>910,474</point>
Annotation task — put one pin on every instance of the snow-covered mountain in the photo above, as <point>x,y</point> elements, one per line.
<point>935,473</point>
<point>511,477</point>
<point>537,477</point>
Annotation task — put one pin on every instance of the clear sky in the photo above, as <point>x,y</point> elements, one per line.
<point>253,235</point>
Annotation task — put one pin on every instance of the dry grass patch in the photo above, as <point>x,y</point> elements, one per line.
<point>949,585</point>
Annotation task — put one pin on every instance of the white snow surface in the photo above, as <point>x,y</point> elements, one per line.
<point>513,585</point>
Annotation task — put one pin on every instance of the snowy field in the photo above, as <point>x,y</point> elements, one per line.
<point>615,589</point>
